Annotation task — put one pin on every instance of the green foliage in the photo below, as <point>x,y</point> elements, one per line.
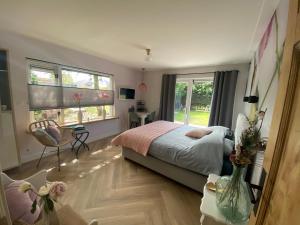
<point>67,79</point>
<point>48,204</point>
<point>34,78</point>
<point>181,88</point>
<point>201,94</point>
<point>33,206</point>
<point>203,88</point>
<point>250,138</point>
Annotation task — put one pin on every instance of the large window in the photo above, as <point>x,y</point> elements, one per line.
<point>193,101</point>
<point>52,88</point>
<point>43,76</point>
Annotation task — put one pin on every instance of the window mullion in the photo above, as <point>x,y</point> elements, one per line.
<point>60,83</point>
<point>96,82</point>
<point>188,101</point>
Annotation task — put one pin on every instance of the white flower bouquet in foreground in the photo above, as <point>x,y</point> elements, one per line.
<point>47,194</point>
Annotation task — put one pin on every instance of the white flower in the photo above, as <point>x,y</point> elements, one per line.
<point>45,189</point>
<point>57,189</point>
<point>25,187</point>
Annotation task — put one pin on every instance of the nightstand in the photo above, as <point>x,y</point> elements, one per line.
<point>208,207</point>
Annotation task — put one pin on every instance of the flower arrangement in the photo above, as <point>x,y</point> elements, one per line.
<point>77,98</point>
<point>103,95</point>
<point>231,191</point>
<point>250,142</point>
<point>47,194</point>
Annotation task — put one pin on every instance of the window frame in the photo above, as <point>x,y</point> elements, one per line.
<point>190,80</point>
<point>57,69</point>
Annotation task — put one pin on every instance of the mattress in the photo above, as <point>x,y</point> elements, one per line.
<point>203,156</point>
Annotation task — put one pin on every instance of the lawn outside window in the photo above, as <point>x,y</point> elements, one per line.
<point>193,100</point>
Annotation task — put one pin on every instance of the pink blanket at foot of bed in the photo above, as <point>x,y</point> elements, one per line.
<point>140,138</point>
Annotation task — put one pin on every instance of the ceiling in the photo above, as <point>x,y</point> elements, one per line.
<point>180,33</point>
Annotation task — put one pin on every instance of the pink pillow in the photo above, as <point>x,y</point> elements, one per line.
<point>54,132</point>
<point>20,203</point>
<point>198,133</point>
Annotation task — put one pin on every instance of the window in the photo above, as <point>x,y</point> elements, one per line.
<point>51,114</point>
<point>52,88</point>
<point>89,113</point>
<point>104,83</point>
<point>43,76</point>
<point>77,79</point>
<point>193,101</point>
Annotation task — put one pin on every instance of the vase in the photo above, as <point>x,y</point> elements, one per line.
<point>49,218</point>
<point>232,196</point>
<point>45,220</point>
<point>104,113</point>
<point>79,116</point>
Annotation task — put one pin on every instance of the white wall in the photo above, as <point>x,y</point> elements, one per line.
<point>21,47</point>
<point>266,67</point>
<point>153,81</point>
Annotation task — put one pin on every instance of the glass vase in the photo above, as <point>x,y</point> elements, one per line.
<point>49,218</point>
<point>232,196</point>
<point>45,218</point>
<point>79,116</point>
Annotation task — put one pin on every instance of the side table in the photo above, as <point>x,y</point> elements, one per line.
<point>80,137</point>
<point>208,207</point>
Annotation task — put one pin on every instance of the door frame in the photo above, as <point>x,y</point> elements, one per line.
<point>281,116</point>
<point>188,101</point>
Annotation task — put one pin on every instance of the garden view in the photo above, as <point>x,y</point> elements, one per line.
<point>200,102</point>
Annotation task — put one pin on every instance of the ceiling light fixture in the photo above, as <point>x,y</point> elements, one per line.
<point>148,55</point>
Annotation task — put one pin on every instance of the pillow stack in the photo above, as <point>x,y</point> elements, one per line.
<point>54,132</point>
<point>50,136</point>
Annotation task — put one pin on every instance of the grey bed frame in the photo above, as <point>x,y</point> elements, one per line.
<point>186,177</point>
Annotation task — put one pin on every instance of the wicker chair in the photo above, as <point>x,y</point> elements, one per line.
<point>67,137</point>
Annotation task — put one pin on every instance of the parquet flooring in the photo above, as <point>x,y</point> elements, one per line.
<point>104,186</point>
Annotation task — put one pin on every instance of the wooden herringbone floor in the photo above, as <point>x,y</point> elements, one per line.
<point>104,186</point>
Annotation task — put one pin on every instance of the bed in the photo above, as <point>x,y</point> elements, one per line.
<point>163,147</point>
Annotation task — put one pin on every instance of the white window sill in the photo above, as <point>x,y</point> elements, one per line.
<point>90,121</point>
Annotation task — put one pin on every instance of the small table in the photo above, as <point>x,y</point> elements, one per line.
<point>143,116</point>
<point>80,136</point>
<point>208,207</point>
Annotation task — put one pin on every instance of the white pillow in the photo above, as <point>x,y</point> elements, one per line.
<point>228,146</point>
<point>242,124</point>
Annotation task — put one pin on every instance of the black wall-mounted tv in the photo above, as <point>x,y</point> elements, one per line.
<point>126,93</point>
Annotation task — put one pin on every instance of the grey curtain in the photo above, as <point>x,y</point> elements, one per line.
<point>223,98</point>
<point>167,98</point>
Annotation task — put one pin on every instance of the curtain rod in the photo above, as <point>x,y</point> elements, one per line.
<point>75,67</point>
<point>195,73</point>
<point>202,72</point>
